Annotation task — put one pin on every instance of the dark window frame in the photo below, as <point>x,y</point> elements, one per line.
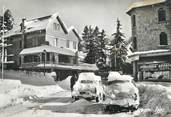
<point>74,45</point>
<point>163,38</point>
<point>20,44</point>
<point>133,20</point>
<point>161,14</point>
<point>135,43</point>
<point>67,43</point>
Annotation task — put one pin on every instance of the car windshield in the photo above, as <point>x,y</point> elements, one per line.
<point>86,81</point>
<point>118,81</point>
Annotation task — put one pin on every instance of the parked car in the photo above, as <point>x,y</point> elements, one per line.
<point>120,93</point>
<point>86,86</point>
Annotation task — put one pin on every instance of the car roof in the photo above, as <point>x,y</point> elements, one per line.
<point>116,76</point>
<point>89,76</point>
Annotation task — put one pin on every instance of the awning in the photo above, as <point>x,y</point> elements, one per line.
<point>160,52</point>
<point>40,49</point>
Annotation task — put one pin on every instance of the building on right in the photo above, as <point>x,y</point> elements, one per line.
<point>151,39</point>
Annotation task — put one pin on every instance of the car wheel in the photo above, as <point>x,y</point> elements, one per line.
<point>103,97</point>
<point>76,98</point>
<point>132,108</point>
<point>97,99</point>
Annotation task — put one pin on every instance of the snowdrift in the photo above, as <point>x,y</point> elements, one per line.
<point>65,84</point>
<point>155,100</point>
<point>30,77</point>
<point>12,92</point>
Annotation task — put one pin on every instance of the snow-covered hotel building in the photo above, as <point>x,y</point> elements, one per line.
<point>44,43</point>
<point>151,37</point>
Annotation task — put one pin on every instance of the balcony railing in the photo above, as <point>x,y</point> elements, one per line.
<point>34,64</point>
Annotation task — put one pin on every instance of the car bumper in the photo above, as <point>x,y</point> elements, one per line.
<point>122,102</point>
<point>83,95</point>
<point>118,108</point>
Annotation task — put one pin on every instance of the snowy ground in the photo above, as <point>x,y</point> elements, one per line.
<point>26,100</point>
<point>12,92</point>
<point>59,104</point>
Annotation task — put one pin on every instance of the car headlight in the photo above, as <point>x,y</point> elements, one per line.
<point>135,96</point>
<point>75,88</point>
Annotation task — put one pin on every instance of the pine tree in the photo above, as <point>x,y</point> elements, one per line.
<point>8,21</point>
<point>118,50</point>
<point>94,42</point>
<point>89,43</point>
<point>102,42</point>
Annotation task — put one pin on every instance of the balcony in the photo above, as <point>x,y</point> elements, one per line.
<point>48,59</point>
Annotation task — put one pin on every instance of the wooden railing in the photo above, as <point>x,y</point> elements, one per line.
<point>33,64</point>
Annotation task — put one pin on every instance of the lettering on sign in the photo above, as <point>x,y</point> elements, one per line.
<point>156,67</point>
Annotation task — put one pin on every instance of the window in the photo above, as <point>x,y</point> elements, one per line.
<point>134,43</point>
<point>31,58</point>
<point>41,40</point>
<point>56,26</point>
<point>74,45</point>
<point>133,20</point>
<point>64,59</point>
<point>20,43</point>
<point>163,38</point>
<point>45,56</point>
<point>161,15</point>
<point>56,42</point>
<point>67,43</point>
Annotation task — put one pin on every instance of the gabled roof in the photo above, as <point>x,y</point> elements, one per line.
<point>40,49</point>
<point>41,23</point>
<point>73,32</point>
<point>36,24</point>
<point>144,3</point>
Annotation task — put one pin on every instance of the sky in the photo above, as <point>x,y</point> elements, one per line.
<point>79,13</point>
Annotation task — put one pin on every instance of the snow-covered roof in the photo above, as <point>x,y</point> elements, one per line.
<point>14,31</point>
<point>89,76</point>
<point>36,24</point>
<point>41,23</point>
<point>40,49</point>
<point>159,51</point>
<point>114,76</point>
<point>144,3</point>
<point>30,26</point>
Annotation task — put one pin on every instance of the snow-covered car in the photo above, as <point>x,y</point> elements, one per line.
<point>86,86</point>
<point>120,92</point>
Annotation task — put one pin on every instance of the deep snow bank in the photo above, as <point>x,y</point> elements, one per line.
<point>13,92</point>
<point>30,77</point>
<point>155,100</point>
<point>65,84</point>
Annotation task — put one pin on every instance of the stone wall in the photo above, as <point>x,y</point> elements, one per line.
<point>148,28</point>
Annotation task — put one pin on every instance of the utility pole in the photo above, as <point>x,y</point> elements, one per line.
<point>44,51</point>
<point>3,44</point>
<point>2,54</point>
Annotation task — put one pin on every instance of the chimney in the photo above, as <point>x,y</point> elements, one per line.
<point>23,32</point>
<point>22,25</point>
